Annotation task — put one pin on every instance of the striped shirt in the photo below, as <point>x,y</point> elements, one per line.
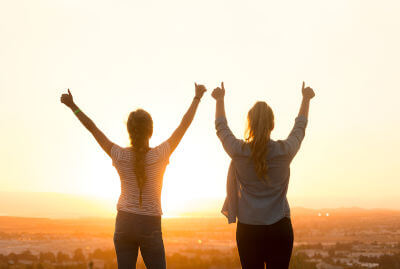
<point>156,161</point>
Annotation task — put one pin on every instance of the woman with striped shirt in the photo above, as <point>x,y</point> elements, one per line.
<point>141,170</point>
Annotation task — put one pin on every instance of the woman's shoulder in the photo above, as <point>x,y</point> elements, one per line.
<point>277,148</point>
<point>120,154</point>
<point>163,150</point>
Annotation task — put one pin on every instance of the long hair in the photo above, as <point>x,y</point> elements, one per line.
<point>140,129</point>
<point>260,123</point>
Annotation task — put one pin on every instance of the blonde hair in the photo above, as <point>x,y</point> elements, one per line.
<point>260,123</point>
<point>140,129</point>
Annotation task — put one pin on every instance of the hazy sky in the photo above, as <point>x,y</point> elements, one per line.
<point>116,56</point>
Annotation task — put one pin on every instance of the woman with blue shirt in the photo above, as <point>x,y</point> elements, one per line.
<point>257,184</point>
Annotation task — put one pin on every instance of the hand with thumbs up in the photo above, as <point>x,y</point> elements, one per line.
<point>67,99</point>
<point>199,90</point>
<point>219,92</point>
<point>308,93</point>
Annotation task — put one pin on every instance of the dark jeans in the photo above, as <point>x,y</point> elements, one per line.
<point>133,231</point>
<point>260,244</point>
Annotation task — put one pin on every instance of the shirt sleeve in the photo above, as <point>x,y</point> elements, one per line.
<point>164,151</point>
<point>116,153</point>
<point>231,144</point>
<point>296,136</point>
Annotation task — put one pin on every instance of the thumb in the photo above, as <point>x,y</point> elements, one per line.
<point>304,84</point>
<point>222,86</point>
<point>69,93</point>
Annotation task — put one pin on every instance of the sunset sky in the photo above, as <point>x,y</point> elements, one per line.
<point>117,56</point>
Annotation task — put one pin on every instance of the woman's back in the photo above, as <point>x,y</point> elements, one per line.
<point>156,160</point>
<point>257,184</point>
<point>141,170</point>
<point>251,199</point>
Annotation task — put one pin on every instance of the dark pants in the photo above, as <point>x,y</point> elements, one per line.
<point>260,244</point>
<point>133,231</point>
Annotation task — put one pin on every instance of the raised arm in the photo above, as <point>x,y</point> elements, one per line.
<point>187,119</point>
<point>297,134</point>
<point>308,94</point>
<point>103,141</point>
<point>231,144</point>
<point>219,96</point>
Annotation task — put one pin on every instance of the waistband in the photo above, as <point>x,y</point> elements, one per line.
<point>126,214</point>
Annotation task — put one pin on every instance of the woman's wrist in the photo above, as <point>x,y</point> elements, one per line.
<point>73,107</point>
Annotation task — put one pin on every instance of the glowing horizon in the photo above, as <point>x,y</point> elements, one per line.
<point>118,57</point>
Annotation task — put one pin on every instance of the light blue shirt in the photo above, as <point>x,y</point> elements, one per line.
<point>249,199</point>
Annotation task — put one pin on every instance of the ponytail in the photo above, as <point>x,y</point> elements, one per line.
<point>140,128</point>
<point>260,123</point>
